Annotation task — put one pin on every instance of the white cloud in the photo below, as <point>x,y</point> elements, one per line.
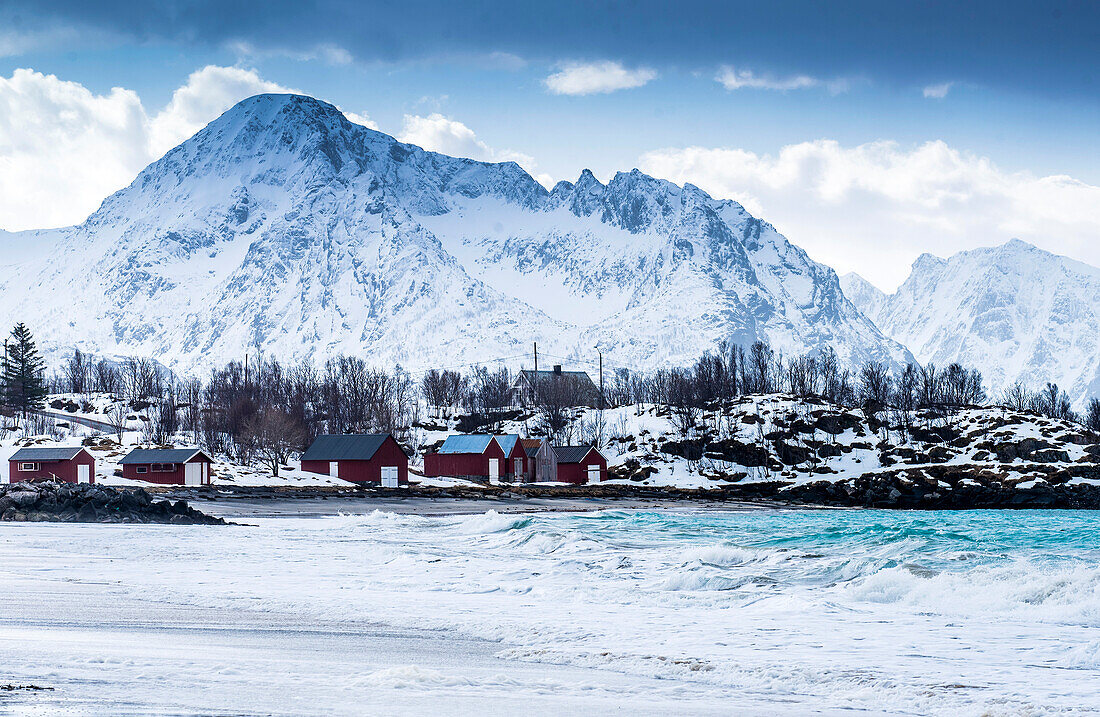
<point>875,207</point>
<point>438,133</point>
<point>64,148</point>
<point>325,52</point>
<point>360,119</point>
<point>733,79</point>
<point>597,77</point>
<point>208,93</point>
<point>939,91</point>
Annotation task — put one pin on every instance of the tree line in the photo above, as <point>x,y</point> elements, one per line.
<point>265,410</point>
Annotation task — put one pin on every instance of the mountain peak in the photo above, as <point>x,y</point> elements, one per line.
<point>282,225</point>
<point>1018,245</point>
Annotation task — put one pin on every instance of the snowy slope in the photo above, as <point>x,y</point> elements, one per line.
<point>282,227</point>
<point>1015,311</point>
<point>867,297</point>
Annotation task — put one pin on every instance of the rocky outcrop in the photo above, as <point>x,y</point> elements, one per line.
<point>83,503</point>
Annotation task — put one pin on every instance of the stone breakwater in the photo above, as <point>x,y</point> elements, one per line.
<point>83,503</point>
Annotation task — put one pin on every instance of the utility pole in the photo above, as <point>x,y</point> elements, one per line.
<point>535,375</point>
<point>602,401</point>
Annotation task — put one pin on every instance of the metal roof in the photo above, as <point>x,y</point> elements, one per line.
<point>531,446</point>
<point>572,454</point>
<point>55,453</point>
<point>160,455</point>
<point>356,447</point>
<point>579,382</point>
<point>507,443</point>
<point>528,373</point>
<point>475,443</point>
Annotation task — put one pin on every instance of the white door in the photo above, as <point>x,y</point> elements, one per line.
<point>192,474</point>
<point>334,469</point>
<point>593,474</point>
<point>494,471</point>
<point>390,476</point>
<point>83,473</point>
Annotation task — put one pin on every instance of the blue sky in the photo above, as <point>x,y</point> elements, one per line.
<point>867,132</point>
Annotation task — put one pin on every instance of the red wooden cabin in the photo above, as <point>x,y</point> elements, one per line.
<point>374,458</point>
<point>474,457</point>
<point>516,462</point>
<point>69,465</point>
<point>580,464</point>
<point>170,466</point>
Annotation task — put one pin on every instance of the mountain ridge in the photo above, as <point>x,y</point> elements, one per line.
<point>1017,312</point>
<point>283,227</point>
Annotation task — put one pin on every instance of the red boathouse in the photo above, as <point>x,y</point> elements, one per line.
<point>476,457</point>
<point>169,466</point>
<point>69,465</point>
<point>580,464</point>
<point>515,458</point>
<point>372,458</point>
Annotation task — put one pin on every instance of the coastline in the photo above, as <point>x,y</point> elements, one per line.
<point>951,488</point>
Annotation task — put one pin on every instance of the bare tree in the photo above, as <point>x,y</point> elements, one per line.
<point>443,390</point>
<point>929,392</point>
<point>117,415</point>
<point>759,376</point>
<point>875,383</point>
<point>106,377</point>
<point>1092,416</point>
<point>274,435</point>
<point>77,369</point>
<point>1016,397</point>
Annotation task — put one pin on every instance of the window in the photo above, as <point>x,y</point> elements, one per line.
<point>164,467</point>
<point>141,469</point>
<point>28,467</point>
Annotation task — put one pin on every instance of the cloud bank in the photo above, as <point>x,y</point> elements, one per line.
<point>438,133</point>
<point>875,207</point>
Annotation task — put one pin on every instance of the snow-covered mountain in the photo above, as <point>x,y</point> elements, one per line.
<point>867,297</point>
<point>283,227</point>
<point>1014,311</point>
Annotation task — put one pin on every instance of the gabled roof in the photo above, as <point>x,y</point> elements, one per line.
<point>544,375</point>
<point>55,453</point>
<point>161,455</point>
<point>579,382</point>
<point>572,454</point>
<point>507,443</point>
<point>531,446</point>
<point>359,447</point>
<point>475,443</point>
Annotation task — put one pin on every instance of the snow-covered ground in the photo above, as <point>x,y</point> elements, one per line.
<point>66,409</point>
<point>763,438</point>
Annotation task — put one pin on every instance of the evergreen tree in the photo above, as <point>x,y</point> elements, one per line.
<point>23,379</point>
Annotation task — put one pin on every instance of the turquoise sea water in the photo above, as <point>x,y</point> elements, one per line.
<point>743,612</point>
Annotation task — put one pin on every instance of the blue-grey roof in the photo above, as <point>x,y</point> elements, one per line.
<point>358,447</point>
<point>160,455</point>
<point>54,453</point>
<point>572,454</point>
<point>507,443</point>
<point>476,443</point>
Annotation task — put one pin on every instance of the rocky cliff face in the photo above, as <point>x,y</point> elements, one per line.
<point>282,227</point>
